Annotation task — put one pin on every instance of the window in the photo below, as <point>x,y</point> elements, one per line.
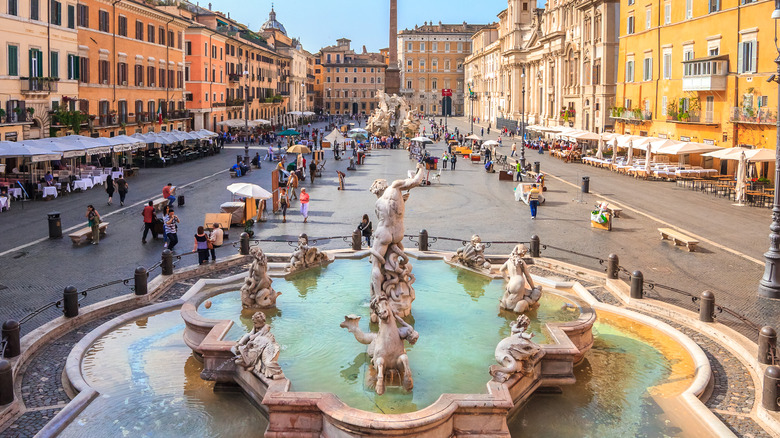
<point>139,30</point>
<point>171,42</point>
<point>150,76</point>
<point>630,25</point>
<point>746,57</point>
<point>647,69</point>
<point>73,67</point>
<point>188,48</point>
<point>664,102</point>
<point>630,2</point>
<point>648,17</point>
<point>121,73</point>
<point>447,47</point>
<point>161,84</point>
<point>103,72</point>
<point>409,84</point>
<point>150,32</point>
<point>83,70</point>
<point>186,73</point>
<point>54,64</point>
<point>714,51</point>
<point>408,47</point>
<point>460,47</point>
<point>422,47</point>
<point>13,7</point>
<point>434,84</point>
<point>103,24</point>
<point>714,6</point>
<point>55,13</point>
<point>629,71</point>
<point>122,26</point>
<point>434,47</point>
<point>83,15</point>
<point>688,9</point>
<point>667,65</point>
<point>13,61</point>
<point>667,13</point>
<point>36,63</point>
<point>161,35</point>
<point>139,75</point>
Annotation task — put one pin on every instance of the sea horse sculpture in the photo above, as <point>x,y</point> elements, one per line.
<point>385,348</point>
<point>517,297</point>
<point>257,293</point>
<point>305,256</point>
<point>517,353</point>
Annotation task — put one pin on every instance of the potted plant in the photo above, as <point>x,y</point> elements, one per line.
<point>30,111</point>
<point>2,114</point>
<point>685,116</point>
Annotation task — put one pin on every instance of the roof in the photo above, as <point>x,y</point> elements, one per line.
<point>272,23</point>
<point>464,28</point>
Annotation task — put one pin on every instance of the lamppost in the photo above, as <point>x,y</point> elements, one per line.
<point>769,286</point>
<point>522,121</point>
<point>330,96</point>
<point>246,119</point>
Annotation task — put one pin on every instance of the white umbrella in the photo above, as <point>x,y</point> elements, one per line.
<point>762,154</point>
<point>249,191</point>
<point>308,113</point>
<point>741,188</point>
<point>473,137</point>
<point>599,152</point>
<point>490,143</point>
<point>724,153</point>
<point>22,149</point>
<point>295,113</point>
<point>262,121</point>
<point>422,139</point>
<point>207,133</point>
<point>679,148</point>
<point>630,156</point>
<point>585,135</point>
<point>649,158</point>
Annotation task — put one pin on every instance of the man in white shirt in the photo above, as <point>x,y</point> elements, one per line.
<point>216,239</point>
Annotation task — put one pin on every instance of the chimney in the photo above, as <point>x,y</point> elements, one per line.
<point>364,49</point>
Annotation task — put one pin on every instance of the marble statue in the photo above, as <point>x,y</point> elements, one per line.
<point>517,297</point>
<point>258,351</point>
<point>517,353</point>
<point>472,255</point>
<point>257,293</point>
<point>386,347</point>
<point>391,275</point>
<point>391,116</point>
<point>305,256</point>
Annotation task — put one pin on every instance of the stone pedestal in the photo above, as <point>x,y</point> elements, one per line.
<point>393,81</point>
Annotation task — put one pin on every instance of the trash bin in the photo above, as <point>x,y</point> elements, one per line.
<point>537,166</point>
<point>55,225</point>
<point>585,184</point>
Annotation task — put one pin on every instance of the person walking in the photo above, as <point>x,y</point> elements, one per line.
<point>171,229</point>
<point>284,202</point>
<point>292,184</point>
<point>202,246</point>
<point>341,179</point>
<point>148,215</point>
<point>453,160</point>
<point>110,188</point>
<point>93,220</point>
<point>312,170</point>
<point>216,239</point>
<point>445,158</point>
<point>533,200</point>
<point>514,149</point>
<point>121,187</point>
<point>366,228</point>
<point>304,204</point>
<point>518,171</point>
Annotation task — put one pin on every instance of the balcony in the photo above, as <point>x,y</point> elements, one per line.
<point>284,93</point>
<point>179,115</point>
<point>233,102</point>
<point>752,116</point>
<point>635,116</point>
<point>705,74</point>
<point>39,85</point>
<point>693,118</point>
<point>234,77</point>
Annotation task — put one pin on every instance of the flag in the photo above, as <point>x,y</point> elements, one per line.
<point>159,114</point>
<point>471,93</point>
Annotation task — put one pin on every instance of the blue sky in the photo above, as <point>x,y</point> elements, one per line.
<point>320,23</point>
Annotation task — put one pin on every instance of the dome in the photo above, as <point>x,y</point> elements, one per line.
<point>272,23</point>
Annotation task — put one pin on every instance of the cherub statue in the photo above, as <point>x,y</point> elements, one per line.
<point>257,291</point>
<point>472,255</point>
<point>517,297</point>
<point>258,350</point>
<point>305,256</point>
<point>517,353</point>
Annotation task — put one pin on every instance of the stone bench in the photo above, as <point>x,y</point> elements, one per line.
<point>87,232</point>
<point>678,238</point>
<point>159,204</point>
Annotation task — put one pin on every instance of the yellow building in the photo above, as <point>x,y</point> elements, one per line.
<point>696,71</point>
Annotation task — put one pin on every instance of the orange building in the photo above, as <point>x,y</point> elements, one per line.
<point>205,76</point>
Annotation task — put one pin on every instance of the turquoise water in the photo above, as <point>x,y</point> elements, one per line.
<point>455,312</point>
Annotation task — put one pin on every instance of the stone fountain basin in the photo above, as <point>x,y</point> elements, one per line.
<point>295,413</point>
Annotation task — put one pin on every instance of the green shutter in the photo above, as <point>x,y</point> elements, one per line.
<point>754,52</point>
<point>39,55</point>
<point>13,61</point>
<point>71,16</point>
<point>77,67</point>
<point>54,65</point>
<point>70,67</point>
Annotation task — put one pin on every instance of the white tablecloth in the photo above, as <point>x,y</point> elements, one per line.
<point>16,192</point>
<point>50,191</point>
<point>83,184</point>
<point>4,203</point>
<point>116,175</point>
<point>99,179</point>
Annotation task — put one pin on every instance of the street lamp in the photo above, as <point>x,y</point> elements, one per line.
<point>522,122</point>
<point>769,286</point>
<point>330,96</point>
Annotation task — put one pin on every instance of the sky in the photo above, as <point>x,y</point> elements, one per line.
<point>319,23</point>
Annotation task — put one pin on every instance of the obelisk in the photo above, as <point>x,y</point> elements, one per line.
<point>393,74</point>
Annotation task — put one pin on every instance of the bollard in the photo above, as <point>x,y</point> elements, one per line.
<point>707,306</point>
<point>11,336</point>
<point>423,240</point>
<point>141,277</point>
<point>585,184</point>
<point>6,382</point>
<point>70,300</point>
<point>535,246</point>
<point>771,396</point>
<point>537,167</point>
<point>637,284</point>
<point>356,240</point>
<point>167,262</point>
<point>244,243</point>
<point>613,266</point>
<point>55,226</point>
<point>767,345</point>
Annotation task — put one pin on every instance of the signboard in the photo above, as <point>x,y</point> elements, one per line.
<point>707,141</point>
<point>446,92</point>
<point>684,138</point>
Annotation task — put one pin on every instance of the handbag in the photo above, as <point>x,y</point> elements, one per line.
<point>209,244</point>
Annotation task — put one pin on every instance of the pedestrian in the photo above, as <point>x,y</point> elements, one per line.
<point>312,170</point>
<point>533,200</point>
<point>366,229</point>
<point>93,220</point>
<point>148,215</point>
<point>514,149</point>
<point>202,246</point>
<point>121,187</point>
<point>216,239</point>
<point>304,204</point>
<point>444,160</point>
<point>284,201</point>
<point>171,228</point>
<point>341,179</point>
<point>169,193</point>
<point>482,132</point>
<point>453,160</point>
<point>110,188</point>
<point>292,184</point>
<point>519,170</point>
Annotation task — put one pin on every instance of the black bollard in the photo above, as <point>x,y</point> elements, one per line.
<point>6,382</point>
<point>707,306</point>
<point>11,336</point>
<point>356,240</point>
<point>637,284</point>
<point>141,276</point>
<point>244,244</point>
<point>535,246</point>
<point>70,300</point>
<point>423,240</point>
<point>613,266</point>
<point>167,262</point>
<point>770,398</point>
<point>767,345</point>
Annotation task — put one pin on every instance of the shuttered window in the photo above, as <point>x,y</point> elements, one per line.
<point>13,61</point>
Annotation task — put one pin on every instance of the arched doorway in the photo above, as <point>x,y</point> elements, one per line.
<point>36,129</point>
<point>354,108</point>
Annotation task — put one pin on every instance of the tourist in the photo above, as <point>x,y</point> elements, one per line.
<point>366,229</point>
<point>202,246</point>
<point>519,171</point>
<point>304,204</point>
<point>93,220</point>
<point>148,214</point>
<point>256,160</point>
<point>284,201</point>
<point>453,160</point>
<point>110,188</point>
<point>292,184</point>
<point>514,149</point>
<point>216,239</point>
<point>49,179</point>
<point>341,179</point>
<point>171,229</point>
<point>533,200</point>
<point>121,187</point>
<point>312,170</point>
<point>169,192</point>
<point>445,158</point>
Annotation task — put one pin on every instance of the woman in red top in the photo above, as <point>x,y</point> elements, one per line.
<point>304,204</point>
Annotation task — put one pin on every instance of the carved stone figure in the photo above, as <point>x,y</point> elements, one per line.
<point>517,297</point>
<point>258,350</point>
<point>386,348</point>
<point>305,256</point>
<point>390,114</point>
<point>391,275</point>
<point>517,353</point>
<point>472,255</point>
<point>257,293</point>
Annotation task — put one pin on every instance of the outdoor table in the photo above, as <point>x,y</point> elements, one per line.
<point>50,191</point>
<point>5,203</point>
<point>83,184</point>
<point>16,192</point>
<point>116,175</point>
<point>99,179</point>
